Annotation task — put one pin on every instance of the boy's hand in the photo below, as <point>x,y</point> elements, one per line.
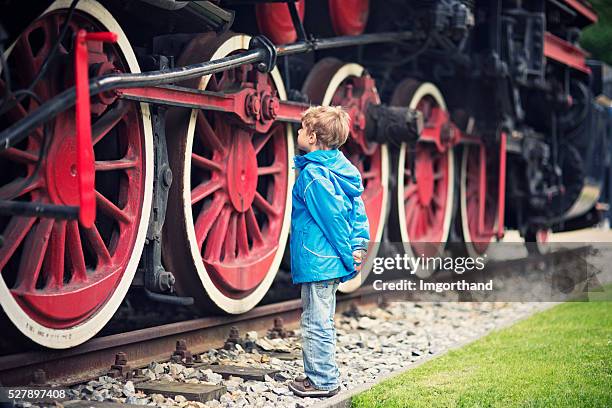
<point>358,258</point>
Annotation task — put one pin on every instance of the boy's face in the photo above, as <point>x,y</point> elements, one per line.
<point>307,140</point>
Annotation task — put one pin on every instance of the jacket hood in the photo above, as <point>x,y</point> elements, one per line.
<point>346,174</point>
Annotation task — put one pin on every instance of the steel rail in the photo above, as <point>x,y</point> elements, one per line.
<point>95,357</point>
<point>66,99</point>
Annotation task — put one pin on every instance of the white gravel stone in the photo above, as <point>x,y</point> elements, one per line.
<point>373,344</point>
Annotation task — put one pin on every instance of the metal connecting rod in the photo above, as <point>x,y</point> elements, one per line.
<point>65,100</point>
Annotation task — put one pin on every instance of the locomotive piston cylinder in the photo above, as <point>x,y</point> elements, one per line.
<point>392,124</point>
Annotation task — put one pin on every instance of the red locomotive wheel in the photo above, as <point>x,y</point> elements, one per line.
<point>477,234</point>
<point>331,82</point>
<point>349,17</point>
<point>424,209</point>
<point>231,191</point>
<point>274,21</point>
<point>61,282</point>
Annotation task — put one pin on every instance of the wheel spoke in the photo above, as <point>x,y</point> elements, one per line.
<point>206,134</point>
<point>410,190</point>
<point>261,142</point>
<point>97,244</point>
<point>253,227</point>
<point>57,249</point>
<point>206,218</point>
<point>110,209</point>
<point>431,216</point>
<point>411,205</point>
<point>110,165</point>
<point>16,188</point>
<point>229,247</point>
<point>368,175</point>
<point>273,169</point>
<point>108,121</point>
<point>264,205</point>
<point>14,233</point>
<point>242,238</point>
<point>75,250</point>
<point>34,250</point>
<point>19,156</point>
<point>213,84</point>
<point>205,189</point>
<point>217,235</point>
<point>416,223</point>
<point>204,163</point>
<point>437,199</point>
<point>18,111</point>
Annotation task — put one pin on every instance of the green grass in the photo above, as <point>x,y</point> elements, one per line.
<point>561,357</point>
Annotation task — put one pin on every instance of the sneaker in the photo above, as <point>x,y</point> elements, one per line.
<point>304,388</point>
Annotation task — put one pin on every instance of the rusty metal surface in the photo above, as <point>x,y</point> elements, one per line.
<point>141,347</point>
<point>152,344</point>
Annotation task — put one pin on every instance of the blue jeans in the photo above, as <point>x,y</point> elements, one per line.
<point>319,333</point>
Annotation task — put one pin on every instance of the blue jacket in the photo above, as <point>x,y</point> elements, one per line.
<point>328,218</point>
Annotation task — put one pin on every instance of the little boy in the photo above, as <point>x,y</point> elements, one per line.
<point>329,239</point>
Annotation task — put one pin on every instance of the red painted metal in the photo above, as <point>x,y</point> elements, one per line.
<point>480,198</point>
<point>274,21</point>
<point>583,8</point>
<point>63,271</point>
<point>256,108</point>
<point>482,187</point>
<point>349,17</point>
<point>425,202</point>
<point>501,198</point>
<point>566,53</point>
<point>439,129</point>
<point>85,158</point>
<point>240,183</point>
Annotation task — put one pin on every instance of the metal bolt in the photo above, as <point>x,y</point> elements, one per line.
<point>253,105</point>
<point>166,280</point>
<point>234,334</point>
<point>232,339</point>
<point>167,177</point>
<point>120,358</point>
<point>270,107</point>
<point>181,345</point>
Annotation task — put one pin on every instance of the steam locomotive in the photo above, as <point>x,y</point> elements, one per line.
<point>148,142</point>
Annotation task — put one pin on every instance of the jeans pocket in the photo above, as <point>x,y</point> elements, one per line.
<point>324,288</point>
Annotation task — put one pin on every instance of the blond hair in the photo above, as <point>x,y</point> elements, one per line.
<point>331,124</point>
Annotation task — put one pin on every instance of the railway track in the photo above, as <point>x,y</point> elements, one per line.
<point>137,349</point>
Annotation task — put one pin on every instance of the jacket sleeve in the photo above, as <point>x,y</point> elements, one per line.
<point>360,236</point>
<point>326,208</point>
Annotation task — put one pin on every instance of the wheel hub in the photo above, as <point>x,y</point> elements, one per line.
<point>61,170</point>
<point>242,172</point>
